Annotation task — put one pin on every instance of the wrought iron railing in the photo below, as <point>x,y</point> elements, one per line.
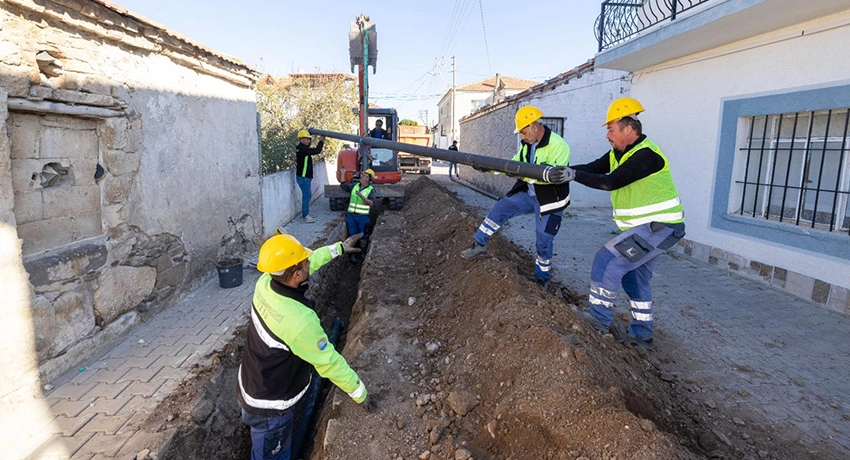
<point>622,19</point>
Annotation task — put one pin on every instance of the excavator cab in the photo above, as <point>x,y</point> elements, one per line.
<point>383,161</point>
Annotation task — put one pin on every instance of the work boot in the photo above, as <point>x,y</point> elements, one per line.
<point>584,313</point>
<point>623,336</point>
<point>543,283</point>
<point>646,343</point>
<point>473,251</point>
<point>352,257</point>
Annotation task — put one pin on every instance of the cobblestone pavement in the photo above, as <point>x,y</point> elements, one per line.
<point>96,409</point>
<point>771,357</point>
<point>765,355</point>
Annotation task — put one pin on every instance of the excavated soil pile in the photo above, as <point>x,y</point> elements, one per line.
<point>471,359</point>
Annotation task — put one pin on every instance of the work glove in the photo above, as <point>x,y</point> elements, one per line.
<point>559,175</point>
<point>481,169</point>
<point>369,405</point>
<point>350,243</point>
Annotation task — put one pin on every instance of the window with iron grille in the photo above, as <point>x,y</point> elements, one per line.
<point>794,168</point>
<point>555,124</point>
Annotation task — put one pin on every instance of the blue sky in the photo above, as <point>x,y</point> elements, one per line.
<point>533,40</point>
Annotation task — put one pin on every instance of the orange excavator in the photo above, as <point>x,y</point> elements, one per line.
<point>363,52</point>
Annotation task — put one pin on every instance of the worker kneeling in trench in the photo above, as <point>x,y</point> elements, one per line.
<point>284,340</point>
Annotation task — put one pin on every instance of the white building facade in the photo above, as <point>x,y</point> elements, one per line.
<point>750,102</point>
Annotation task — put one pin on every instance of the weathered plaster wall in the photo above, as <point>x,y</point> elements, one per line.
<point>157,139</point>
<point>582,103</point>
<point>282,196</point>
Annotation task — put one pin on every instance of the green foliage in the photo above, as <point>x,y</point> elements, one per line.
<point>408,122</point>
<point>288,106</point>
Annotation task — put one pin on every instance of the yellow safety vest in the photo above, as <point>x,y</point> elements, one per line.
<point>356,205</point>
<point>651,199</point>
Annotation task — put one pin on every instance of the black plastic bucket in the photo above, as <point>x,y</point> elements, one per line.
<point>229,273</point>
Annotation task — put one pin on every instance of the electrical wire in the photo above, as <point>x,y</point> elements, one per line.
<point>486,47</point>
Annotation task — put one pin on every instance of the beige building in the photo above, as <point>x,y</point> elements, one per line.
<point>128,158</point>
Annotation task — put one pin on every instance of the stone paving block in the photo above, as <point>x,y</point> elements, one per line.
<point>109,364</point>
<point>143,440</point>
<point>71,390</point>
<point>68,426</point>
<point>173,361</point>
<point>106,444</point>
<point>144,389</point>
<point>172,373</point>
<point>71,408</point>
<point>69,445</point>
<point>112,376</point>
<point>138,350</point>
<point>142,375</point>
<point>107,406</point>
<point>193,337</point>
<point>146,405</point>
<point>142,362</point>
<point>165,389</point>
<point>171,350</point>
<point>107,390</point>
<point>108,424</point>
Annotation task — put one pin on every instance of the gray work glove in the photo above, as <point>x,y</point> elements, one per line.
<point>559,174</point>
<point>369,405</point>
<point>350,243</point>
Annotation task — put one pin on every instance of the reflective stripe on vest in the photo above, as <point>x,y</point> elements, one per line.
<point>356,205</point>
<point>651,199</point>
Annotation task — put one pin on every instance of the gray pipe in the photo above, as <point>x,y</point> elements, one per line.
<point>512,168</point>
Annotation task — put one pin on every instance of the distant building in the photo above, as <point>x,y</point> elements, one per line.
<point>471,97</point>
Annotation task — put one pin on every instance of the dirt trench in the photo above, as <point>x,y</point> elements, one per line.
<point>466,359</point>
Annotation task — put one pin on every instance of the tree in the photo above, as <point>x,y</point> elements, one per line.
<point>287,106</point>
<point>408,122</point>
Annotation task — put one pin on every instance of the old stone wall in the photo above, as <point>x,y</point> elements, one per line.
<point>129,159</point>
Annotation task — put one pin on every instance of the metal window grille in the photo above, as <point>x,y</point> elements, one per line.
<point>555,124</point>
<point>796,169</point>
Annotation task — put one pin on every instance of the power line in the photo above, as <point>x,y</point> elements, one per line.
<point>486,47</point>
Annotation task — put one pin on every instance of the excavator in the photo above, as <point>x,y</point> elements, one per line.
<point>381,153</point>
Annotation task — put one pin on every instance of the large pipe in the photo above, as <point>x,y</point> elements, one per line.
<point>512,168</point>
<point>305,423</point>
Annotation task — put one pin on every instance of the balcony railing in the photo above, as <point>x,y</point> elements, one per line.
<point>622,19</point>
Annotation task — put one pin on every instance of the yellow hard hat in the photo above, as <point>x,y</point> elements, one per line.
<point>526,116</point>
<point>370,173</point>
<point>621,108</point>
<point>281,252</point>
<point>303,133</point>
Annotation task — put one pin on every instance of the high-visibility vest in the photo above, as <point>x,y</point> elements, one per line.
<point>356,205</point>
<point>651,199</point>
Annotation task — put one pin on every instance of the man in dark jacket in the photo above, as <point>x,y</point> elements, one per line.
<point>284,342</point>
<point>304,170</point>
<point>546,200</point>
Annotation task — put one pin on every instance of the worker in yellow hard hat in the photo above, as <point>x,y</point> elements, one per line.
<point>304,170</point>
<point>285,341</point>
<point>358,219</point>
<point>647,209</point>
<point>538,145</point>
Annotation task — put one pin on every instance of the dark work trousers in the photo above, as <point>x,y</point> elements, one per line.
<point>546,227</point>
<point>628,261</point>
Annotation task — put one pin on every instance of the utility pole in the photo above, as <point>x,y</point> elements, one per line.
<point>454,75</point>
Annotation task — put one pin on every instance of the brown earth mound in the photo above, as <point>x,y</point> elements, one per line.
<point>471,359</point>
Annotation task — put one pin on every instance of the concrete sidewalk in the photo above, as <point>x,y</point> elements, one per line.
<point>767,357</point>
<point>96,410</point>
